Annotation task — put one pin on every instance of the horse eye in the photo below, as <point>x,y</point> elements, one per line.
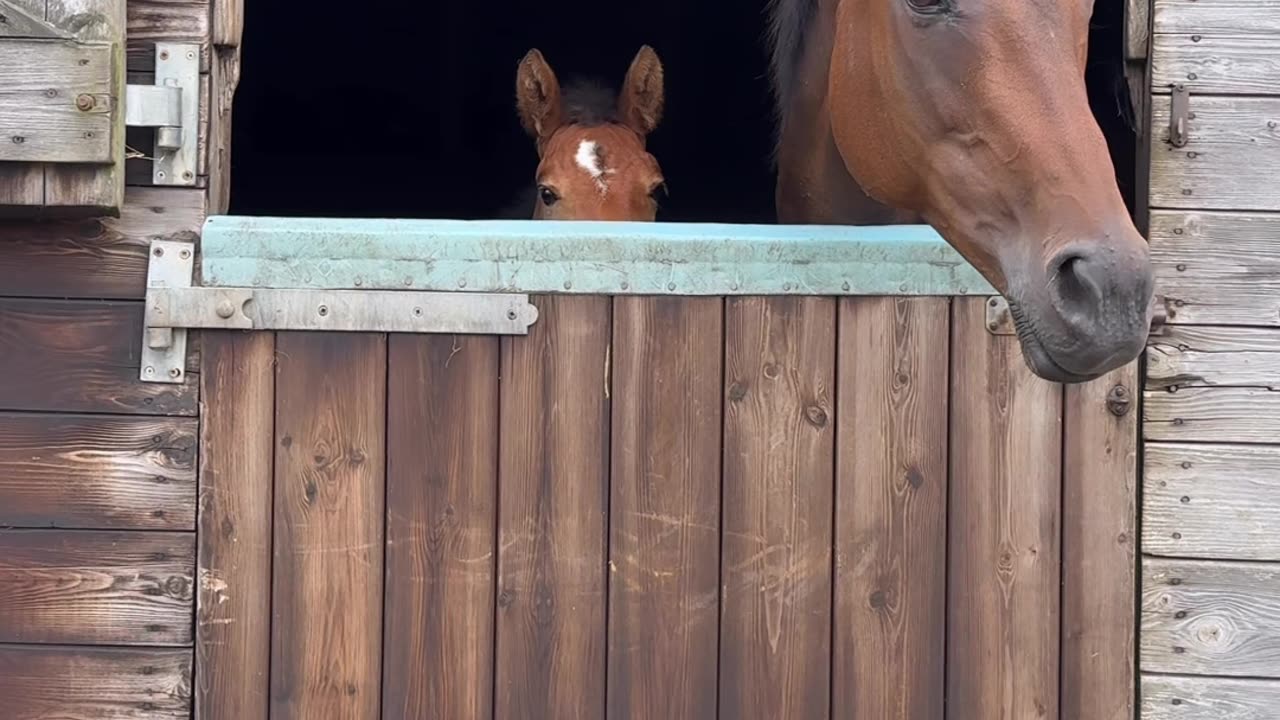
<point>929,7</point>
<point>659,192</point>
<point>547,195</point>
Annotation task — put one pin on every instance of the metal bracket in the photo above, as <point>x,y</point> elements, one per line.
<point>1179,116</point>
<point>173,306</point>
<point>172,107</point>
<point>1000,320</point>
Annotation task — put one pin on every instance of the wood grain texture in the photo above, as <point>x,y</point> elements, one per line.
<point>1203,356</point>
<point>39,683</point>
<point>1211,501</point>
<point>779,447</point>
<point>1217,64</point>
<point>152,21</point>
<point>228,23</point>
<point>225,77</point>
<point>664,555</point>
<point>891,508</point>
<point>100,258</point>
<point>1099,533</point>
<point>80,357</point>
<point>1217,268</point>
<point>85,587</point>
<point>39,117</point>
<point>1210,618</point>
<point>554,470</point>
<point>1170,697</point>
<point>21,186</point>
<point>1137,30</point>
<point>1227,17</point>
<point>326,625</point>
<point>1223,415</point>
<point>66,471</point>
<point>442,489</point>
<point>1231,156</point>
<point>233,601</point>
<point>1003,600</point>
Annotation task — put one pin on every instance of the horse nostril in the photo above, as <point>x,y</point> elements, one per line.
<point>1076,285</point>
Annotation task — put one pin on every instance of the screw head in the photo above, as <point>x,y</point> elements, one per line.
<point>187,175</point>
<point>175,372</point>
<point>164,54</point>
<point>148,371</point>
<point>323,310</point>
<point>185,254</point>
<point>512,315</point>
<point>158,252</point>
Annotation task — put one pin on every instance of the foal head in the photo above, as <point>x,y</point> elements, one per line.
<point>974,114</point>
<point>593,164</point>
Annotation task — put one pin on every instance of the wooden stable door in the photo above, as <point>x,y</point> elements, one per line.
<point>663,508</point>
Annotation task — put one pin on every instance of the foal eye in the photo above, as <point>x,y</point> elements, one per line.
<point>659,192</point>
<point>547,195</point>
<point>929,7</point>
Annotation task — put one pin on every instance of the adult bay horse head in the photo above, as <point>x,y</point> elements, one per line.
<point>973,115</point>
<point>593,164</point>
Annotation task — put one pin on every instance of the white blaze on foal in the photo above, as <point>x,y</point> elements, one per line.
<point>590,159</point>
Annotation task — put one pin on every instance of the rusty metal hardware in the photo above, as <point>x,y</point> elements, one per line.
<point>1119,401</point>
<point>1179,116</point>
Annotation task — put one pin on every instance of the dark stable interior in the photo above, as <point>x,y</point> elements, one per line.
<point>406,109</point>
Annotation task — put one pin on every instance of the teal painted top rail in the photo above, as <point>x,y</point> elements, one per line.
<point>582,257</point>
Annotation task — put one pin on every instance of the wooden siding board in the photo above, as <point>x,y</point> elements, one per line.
<point>82,683</point>
<point>101,258</point>
<point>91,587</point>
<point>1205,414</point>
<point>152,21</point>
<point>1202,356</point>
<point>664,555</point>
<point>80,357</point>
<point>233,600</point>
<point>1230,160</point>
<point>1217,64</point>
<point>67,471</point>
<point>1211,618</point>
<point>891,508</point>
<point>442,493</point>
<point>779,452</point>
<point>1212,501</point>
<point>1099,538</point>
<point>327,574</point>
<point>552,536</point>
<point>40,81</point>
<point>1228,17</point>
<point>1003,585</point>
<point>1172,697</point>
<point>1217,268</point>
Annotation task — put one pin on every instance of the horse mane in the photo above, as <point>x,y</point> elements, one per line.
<point>589,103</point>
<point>789,22</point>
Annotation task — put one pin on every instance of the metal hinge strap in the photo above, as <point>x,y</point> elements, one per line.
<point>172,107</point>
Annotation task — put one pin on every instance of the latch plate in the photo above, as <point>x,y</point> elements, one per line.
<point>173,306</point>
<point>1179,116</point>
<point>172,107</point>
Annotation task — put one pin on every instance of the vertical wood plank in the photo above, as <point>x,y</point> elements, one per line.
<point>553,471</point>
<point>442,475</point>
<point>778,484</point>
<point>233,613</point>
<point>1006,451</point>
<point>1099,515</point>
<point>891,508</point>
<point>326,636</point>
<point>664,582</point>
<point>21,184</point>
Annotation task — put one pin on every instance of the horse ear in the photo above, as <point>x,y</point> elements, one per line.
<point>642,99</point>
<point>538,96</point>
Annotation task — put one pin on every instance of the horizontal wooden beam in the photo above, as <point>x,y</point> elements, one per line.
<point>583,257</point>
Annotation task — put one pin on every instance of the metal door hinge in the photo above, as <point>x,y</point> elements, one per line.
<point>1000,320</point>
<point>1179,116</point>
<point>172,107</point>
<point>174,306</point>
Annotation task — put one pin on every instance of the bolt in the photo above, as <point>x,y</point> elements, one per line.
<point>185,254</point>
<point>225,309</point>
<point>164,54</point>
<point>359,282</point>
<point>323,310</point>
<point>512,315</point>
<point>158,252</point>
<point>626,285</point>
<point>568,285</point>
<point>408,281</point>
<point>671,286</point>
<point>175,372</point>
<point>148,371</point>
<point>84,102</point>
<point>187,175</point>
<point>462,283</point>
<point>846,287</point>
<point>1118,401</point>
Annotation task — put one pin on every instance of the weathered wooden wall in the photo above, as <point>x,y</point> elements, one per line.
<point>98,472</point>
<point>1211,479</point>
<point>678,507</point>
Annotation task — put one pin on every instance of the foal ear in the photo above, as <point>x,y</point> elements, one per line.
<point>538,96</point>
<point>641,101</point>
